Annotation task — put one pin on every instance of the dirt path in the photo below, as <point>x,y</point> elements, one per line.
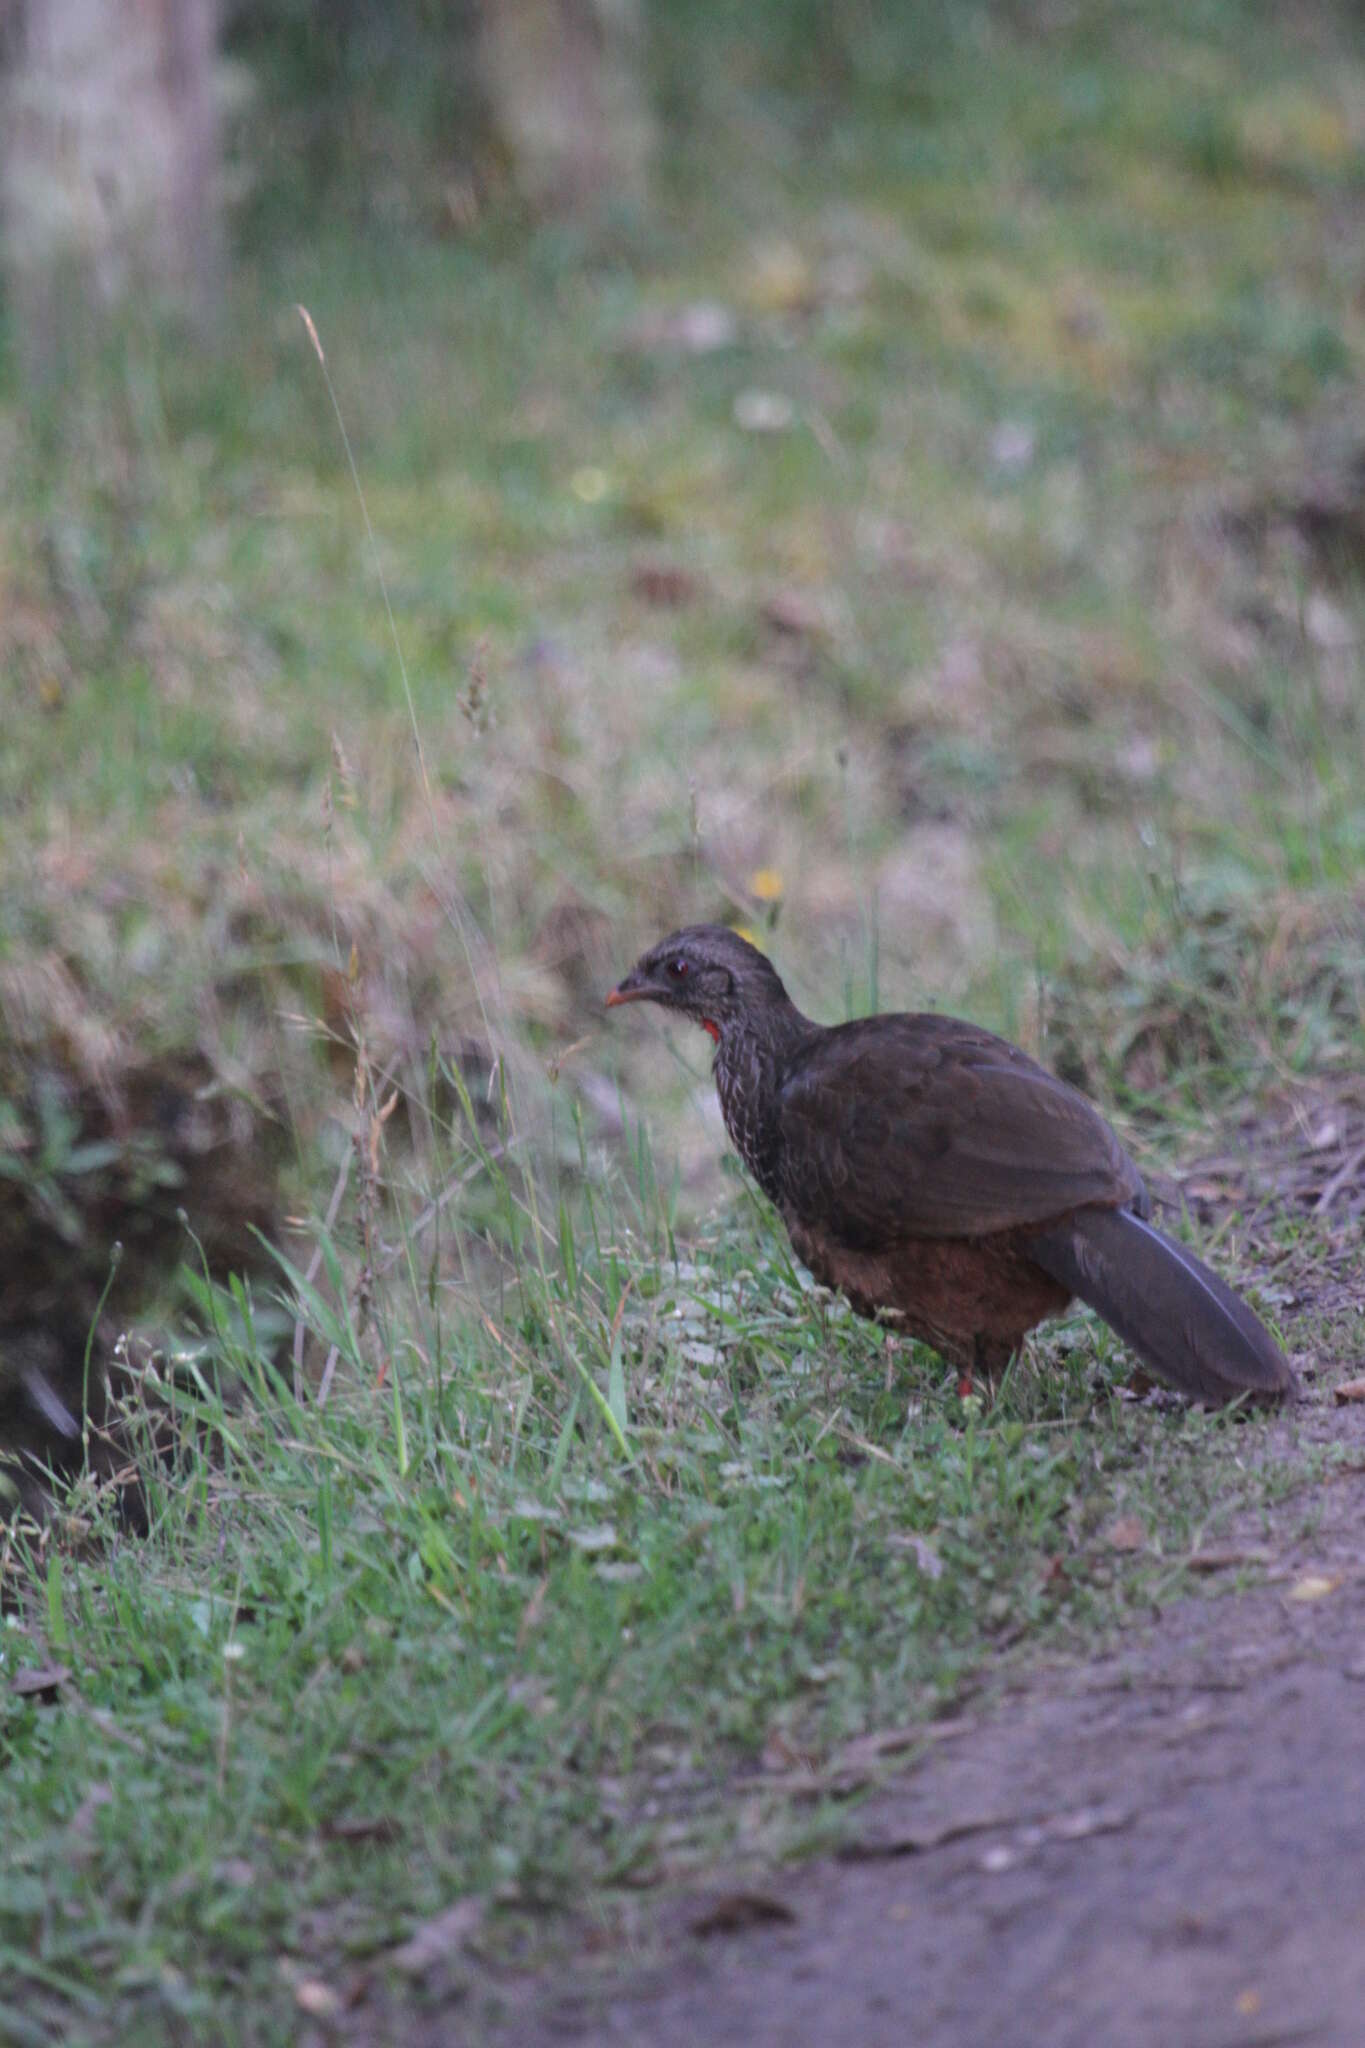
<point>1164,1847</point>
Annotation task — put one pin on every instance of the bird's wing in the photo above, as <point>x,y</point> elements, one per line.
<point>922,1126</point>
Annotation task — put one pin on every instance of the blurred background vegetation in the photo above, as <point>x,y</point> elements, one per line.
<point>887,475</point>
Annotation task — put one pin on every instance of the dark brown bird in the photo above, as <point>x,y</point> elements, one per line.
<point>931,1170</point>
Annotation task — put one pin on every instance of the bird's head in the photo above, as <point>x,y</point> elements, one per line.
<point>710,974</point>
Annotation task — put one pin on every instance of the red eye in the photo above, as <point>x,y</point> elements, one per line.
<point>677,970</point>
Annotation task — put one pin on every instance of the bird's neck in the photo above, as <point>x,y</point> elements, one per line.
<point>752,1058</point>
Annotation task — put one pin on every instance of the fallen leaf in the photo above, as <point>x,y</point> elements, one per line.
<point>1075,1826</point>
<point>737,1912</point>
<point>1225,1560</point>
<point>317,1999</point>
<point>1349,1390</point>
<point>918,1841</point>
<point>1085,1821</point>
<point>780,1753</point>
<point>361,1827</point>
<point>1204,1190</point>
<point>40,1681</point>
<point>858,1761</point>
<point>1277,1296</point>
<point>1313,1586</point>
<point>436,1940</point>
<point>1129,1532</point>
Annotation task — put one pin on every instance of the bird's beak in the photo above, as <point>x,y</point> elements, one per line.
<point>636,988</point>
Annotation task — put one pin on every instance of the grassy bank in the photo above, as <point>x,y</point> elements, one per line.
<point>670,1559</point>
<point>932,540</point>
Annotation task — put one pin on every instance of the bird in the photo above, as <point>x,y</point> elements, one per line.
<point>944,1181</point>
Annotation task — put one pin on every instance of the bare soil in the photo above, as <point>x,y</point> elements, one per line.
<point>1164,1846</point>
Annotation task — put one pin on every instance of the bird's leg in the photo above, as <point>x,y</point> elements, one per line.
<point>982,1364</point>
<point>969,1362</point>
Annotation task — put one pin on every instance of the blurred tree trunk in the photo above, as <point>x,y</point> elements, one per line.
<point>109,158</point>
<point>565,86</point>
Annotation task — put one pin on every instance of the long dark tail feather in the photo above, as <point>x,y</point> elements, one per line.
<point>1184,1323</point>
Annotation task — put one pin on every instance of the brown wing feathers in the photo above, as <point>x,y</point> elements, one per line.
<point>921,1127</point>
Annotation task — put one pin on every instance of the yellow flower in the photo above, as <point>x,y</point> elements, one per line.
<point>766,884</point>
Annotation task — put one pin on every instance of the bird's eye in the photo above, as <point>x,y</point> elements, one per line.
<point>677,970</point>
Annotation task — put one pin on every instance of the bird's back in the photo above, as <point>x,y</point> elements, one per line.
<point>921,1125</point>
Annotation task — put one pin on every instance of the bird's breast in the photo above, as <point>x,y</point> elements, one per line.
<point>747,1091</point>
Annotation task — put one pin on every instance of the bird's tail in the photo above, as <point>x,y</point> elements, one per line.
<point>1184,1323</point>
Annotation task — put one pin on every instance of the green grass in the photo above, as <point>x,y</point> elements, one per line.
<point>535,1616</point>
<point>1000,678</point>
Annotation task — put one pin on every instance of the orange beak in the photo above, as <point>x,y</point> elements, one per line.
<point>629,991</point>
